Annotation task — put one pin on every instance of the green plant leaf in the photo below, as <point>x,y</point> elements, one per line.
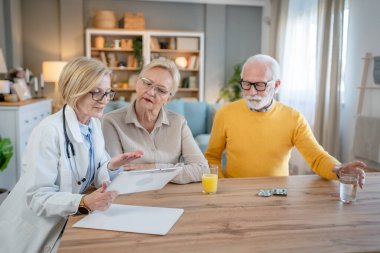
<point>231,91</point>
<point>137,51</point>
<point>6,152</point>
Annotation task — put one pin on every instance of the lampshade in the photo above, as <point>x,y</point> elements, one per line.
<point>3,65</point>
<point>52,69</point>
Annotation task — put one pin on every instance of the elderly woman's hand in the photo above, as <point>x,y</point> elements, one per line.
<point>353,167</point>
<point>140,166</point>
<point>124,158</point>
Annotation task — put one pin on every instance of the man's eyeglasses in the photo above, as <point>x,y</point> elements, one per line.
<point>99,95</point>
<point>259,86</point>
<point>157,89</point>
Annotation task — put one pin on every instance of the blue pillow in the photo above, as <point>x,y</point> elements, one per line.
<point>196,116</point>
<point>177,106</point>
<point>113,105</point>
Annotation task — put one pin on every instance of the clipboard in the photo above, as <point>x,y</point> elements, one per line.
<point>143,180</point>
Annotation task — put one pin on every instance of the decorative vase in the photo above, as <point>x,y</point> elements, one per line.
<point>99,42</point>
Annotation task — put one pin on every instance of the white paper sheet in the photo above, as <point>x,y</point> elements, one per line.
<point>142,180</point>
<point>136,219</point>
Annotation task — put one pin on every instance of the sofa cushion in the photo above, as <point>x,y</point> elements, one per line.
<point>196,116</point>
<point>202,141</point>
<point>114,105</point>
<point>177,106</point>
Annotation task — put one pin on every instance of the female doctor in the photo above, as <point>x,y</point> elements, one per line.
<point>64,156</point>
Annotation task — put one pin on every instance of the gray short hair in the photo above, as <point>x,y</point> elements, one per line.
<point>167,64</point>
<point>270,62</point>
<point>79,77</point>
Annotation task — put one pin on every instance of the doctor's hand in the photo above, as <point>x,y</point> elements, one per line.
<point>124,158</point>
<point>100,199</point>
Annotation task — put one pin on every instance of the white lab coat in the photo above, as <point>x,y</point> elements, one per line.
<point>35,212</point>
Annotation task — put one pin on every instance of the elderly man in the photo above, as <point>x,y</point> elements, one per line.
<point>258,133</point>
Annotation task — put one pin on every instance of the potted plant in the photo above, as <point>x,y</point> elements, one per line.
<point>137,51</point>
<point>6,153</point>
<point>231,91</point>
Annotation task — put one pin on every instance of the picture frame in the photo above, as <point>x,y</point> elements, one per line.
<point>21,89</point>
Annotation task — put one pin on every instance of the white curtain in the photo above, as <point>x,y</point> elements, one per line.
<point>329,66</point>
<point>311,69</point>
<point>299,58</point>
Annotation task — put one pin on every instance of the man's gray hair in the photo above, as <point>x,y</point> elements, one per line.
<point>270,62</point>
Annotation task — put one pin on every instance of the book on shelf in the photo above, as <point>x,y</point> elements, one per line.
<point>187,43</point>
<point>154,45</point>
<point>192,62</point>
<point>185,83</point>
<point>193,82</point>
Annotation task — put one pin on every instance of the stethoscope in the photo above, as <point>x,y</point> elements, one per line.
<point>70,147</point>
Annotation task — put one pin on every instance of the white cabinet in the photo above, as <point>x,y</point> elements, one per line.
<point>116,49</point>
<point>17,122</point>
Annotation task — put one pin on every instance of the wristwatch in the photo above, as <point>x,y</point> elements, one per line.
<point>83,209</point>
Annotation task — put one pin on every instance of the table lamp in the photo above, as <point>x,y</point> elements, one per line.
<point>51,71</point>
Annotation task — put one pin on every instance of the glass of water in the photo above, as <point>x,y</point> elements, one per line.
<point>348,184</point>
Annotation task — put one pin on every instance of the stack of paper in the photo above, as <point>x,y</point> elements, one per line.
<point>136,219</point>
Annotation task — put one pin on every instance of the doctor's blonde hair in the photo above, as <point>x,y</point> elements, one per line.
<point>79,77</point>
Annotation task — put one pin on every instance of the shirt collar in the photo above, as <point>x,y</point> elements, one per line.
<point>131,117</point>
<point>85,129</point>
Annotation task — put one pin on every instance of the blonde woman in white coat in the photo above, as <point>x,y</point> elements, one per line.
<point>56,174</point>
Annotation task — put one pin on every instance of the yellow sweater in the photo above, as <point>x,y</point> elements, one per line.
<point>258,144</point>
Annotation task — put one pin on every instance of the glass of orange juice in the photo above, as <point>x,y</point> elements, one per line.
<point>210,180</point>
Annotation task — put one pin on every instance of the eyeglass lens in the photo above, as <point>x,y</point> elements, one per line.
<point>157,89</point>
<point>98,95</point>
<point>259,86</point>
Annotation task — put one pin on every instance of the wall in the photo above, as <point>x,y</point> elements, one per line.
<point>158,15</point>
<point>2,28</point>
<point>242,39</point>
<point>363,36</point>
<point>52,32</point>
<point>11,32</point>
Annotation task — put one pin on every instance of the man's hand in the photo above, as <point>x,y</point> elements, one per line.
<point>353,167</point>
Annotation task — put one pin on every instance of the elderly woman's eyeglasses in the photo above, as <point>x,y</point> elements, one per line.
<point>259,86</point>
<point>99,95</point>
<point>161,91</point>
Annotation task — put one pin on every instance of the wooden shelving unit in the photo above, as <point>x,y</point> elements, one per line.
<point>168,43</point>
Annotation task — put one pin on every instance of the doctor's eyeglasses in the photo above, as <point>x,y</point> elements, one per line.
<point>99,95</point>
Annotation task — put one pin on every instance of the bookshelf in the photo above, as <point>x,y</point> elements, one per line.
<point>115,49</point>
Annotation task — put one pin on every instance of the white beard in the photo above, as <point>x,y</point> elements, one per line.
<point>257,102</point>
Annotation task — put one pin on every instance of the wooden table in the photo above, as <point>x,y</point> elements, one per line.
<point>310,219</point>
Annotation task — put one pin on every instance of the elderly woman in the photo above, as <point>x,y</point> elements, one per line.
<point>64,156</point>
<point>146,125</point>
